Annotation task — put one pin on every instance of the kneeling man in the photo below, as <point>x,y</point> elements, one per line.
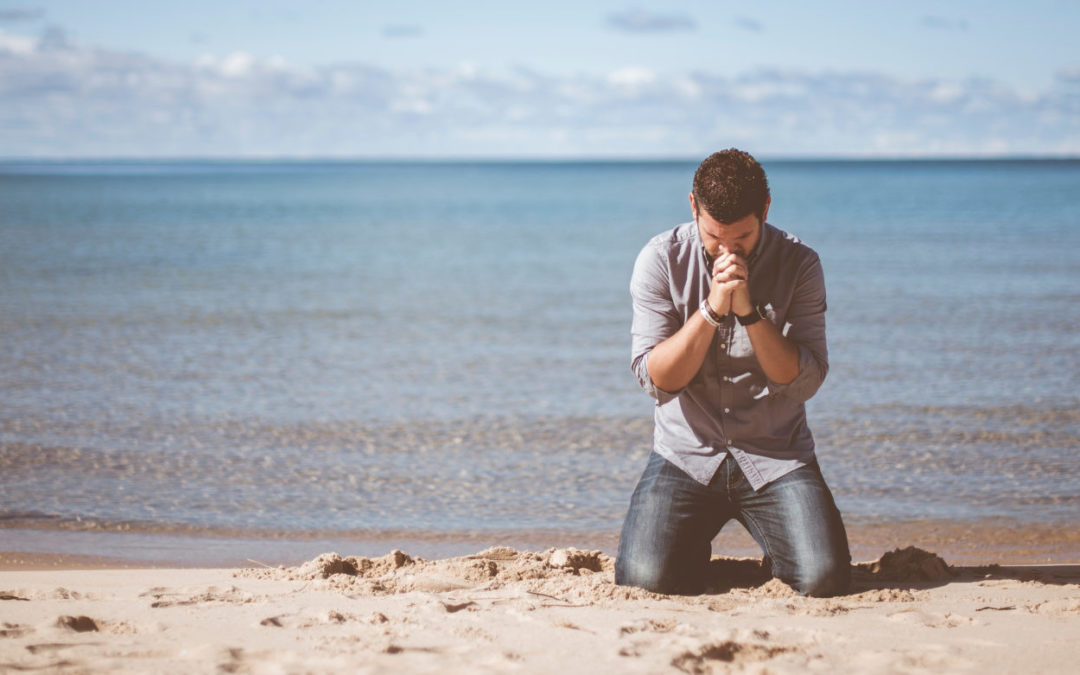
<point>728,336</point>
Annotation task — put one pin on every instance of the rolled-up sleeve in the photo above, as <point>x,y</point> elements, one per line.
<point>655,316</point>
<point>805,326</point>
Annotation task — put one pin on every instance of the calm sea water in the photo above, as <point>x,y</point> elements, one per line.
<point>302,347</point>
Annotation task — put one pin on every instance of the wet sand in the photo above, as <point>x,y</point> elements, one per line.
<point>20,560</point>
<point>547,611</point>
<point>79,545</point>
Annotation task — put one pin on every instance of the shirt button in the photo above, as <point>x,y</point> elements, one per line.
<point>727,379</point>
<point>730,443</point>
<point>727,410</point>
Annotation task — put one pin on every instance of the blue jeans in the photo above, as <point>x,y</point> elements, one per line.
<point>667,537</point>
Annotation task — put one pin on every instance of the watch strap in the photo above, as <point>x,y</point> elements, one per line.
<point>752,317</point>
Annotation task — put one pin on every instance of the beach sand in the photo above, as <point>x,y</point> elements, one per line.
<point>501,610</point>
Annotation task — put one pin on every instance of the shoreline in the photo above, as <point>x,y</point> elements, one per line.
<point>19,561</point>
<point>985,542</point>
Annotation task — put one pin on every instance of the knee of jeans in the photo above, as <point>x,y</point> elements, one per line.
<point>825,579</point>
<point>642,574</point>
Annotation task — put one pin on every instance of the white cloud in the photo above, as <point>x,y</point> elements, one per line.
<point>631,78</point>
<point>237,64</point>
<point>79,101</point>
<point>16,44</point>
<point>417,106</point>
<point>466,70</point>
<point>946,92</point>
<point>687,87</point>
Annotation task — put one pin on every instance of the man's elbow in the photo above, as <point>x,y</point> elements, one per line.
<point>803,392</point>
<point>640,367</point>
<point>807,383</point>
<point>810,372</point>
<point>666,379</point>
<point>662,383</point>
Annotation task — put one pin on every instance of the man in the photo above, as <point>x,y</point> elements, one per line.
<point>728,336</point>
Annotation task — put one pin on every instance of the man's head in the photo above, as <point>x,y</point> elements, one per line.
<point>730,200</point>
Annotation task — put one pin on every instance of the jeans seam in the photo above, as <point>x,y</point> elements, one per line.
<point>764,540</point>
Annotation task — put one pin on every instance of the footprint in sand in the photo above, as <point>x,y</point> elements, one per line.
<point>728,652</point>
<point>1066,607</point>
<point>648,626</point>
<point>78,624</point>
<point>8,595</point>
<point>327,618</point>
<point>58,593</point>
<point>930,619</point>
<point>164,597</point>
<point>14,630</point>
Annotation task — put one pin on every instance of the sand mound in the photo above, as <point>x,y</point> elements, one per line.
<point>492,568</point>
<point>572,558</point>
<point>329,564</point>
<point>566,575</point>
<point>907,564</point>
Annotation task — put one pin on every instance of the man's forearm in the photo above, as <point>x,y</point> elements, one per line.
<point>777,356</point>
<point>676,360</point>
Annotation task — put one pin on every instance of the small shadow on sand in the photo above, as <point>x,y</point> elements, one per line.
<point>724,574</point>
<point>1060,575</point>
<point>907,568</point>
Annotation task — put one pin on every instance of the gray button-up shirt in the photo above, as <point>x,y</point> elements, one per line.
<point>730,406</point>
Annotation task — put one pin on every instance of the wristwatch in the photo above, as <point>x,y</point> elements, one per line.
<point>752,317</point>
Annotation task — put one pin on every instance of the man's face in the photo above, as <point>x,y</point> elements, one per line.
<point>739,237</point>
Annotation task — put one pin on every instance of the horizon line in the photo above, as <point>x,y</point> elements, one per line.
<point>532,159</point>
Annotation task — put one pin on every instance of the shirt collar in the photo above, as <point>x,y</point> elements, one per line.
<point>759,246</point>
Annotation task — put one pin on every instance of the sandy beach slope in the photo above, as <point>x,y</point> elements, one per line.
<point>501,610</point>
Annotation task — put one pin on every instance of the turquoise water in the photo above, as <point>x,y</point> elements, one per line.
<point>336,347</point>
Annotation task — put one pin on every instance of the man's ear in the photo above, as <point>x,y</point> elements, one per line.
<point>764,211</point>
<point>693,205</point>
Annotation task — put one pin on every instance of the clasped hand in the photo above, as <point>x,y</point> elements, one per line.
<point>729,290</point>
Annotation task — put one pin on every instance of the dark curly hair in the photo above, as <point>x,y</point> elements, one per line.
<point>731,185</point>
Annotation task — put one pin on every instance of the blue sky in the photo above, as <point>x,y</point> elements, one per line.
<point>129,78</point>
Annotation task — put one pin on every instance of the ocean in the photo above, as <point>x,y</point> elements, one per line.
<point>206,352</point>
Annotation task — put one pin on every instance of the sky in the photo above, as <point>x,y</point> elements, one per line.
<point>335,79</point>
